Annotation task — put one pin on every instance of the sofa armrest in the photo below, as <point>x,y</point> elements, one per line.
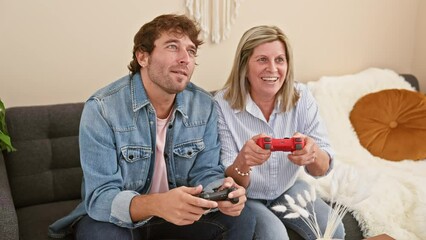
<point>412,80</point>
<point>8,218</point>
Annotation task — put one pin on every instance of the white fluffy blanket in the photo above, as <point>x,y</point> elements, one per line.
<point>396,191</point>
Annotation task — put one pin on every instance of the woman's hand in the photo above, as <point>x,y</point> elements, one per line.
<point>316,160</point>
<point>306,155</point>
<point>251,154</point>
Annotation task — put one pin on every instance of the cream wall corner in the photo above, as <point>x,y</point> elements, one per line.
<point>62,51</point>
<point>419,58</point>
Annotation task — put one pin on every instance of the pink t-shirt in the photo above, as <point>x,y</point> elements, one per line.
<point>159,182</point>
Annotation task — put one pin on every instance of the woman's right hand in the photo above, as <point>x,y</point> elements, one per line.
<point>252,154</point>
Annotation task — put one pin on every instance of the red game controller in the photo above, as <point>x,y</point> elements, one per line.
<point>281,144</point>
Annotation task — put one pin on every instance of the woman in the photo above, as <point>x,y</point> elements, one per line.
<point>261,99</point>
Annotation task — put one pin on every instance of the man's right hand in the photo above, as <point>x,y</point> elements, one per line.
<point>180,206</point>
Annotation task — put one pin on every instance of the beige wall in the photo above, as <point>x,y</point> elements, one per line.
<point>419,59</point>
<point>62,51</point>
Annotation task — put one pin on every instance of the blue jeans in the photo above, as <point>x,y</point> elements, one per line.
<point>214,225</point>
<point>271,225</point>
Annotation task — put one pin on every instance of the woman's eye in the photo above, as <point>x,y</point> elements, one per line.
<point>262,60</point>
<point>280,60</point>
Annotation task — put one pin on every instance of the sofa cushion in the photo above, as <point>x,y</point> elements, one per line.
<point>34,220</point>
<point>391,124</point>
<point>46,165</point>
<point>8,218</point>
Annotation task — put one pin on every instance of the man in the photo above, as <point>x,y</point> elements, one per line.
<point>149,145</point>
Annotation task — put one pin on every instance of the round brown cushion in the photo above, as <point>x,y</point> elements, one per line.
<point>391,124</point>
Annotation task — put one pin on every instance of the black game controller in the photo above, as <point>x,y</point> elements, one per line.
<point>219,195</point>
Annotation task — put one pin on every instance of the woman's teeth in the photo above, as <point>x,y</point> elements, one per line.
<point>270,78</point>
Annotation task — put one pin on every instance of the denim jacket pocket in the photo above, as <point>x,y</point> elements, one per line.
<point>135,162</point>
<point>189,149</point>
<point>184,158</point>
<point>135,153</point>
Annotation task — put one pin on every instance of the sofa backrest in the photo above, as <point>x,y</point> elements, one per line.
<point>46,165</point>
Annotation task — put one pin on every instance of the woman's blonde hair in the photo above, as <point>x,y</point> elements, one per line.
<point>237,86</point>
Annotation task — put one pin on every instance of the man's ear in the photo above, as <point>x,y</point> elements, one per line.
<point>142,58</point>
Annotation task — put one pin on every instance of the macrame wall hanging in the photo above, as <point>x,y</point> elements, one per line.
<point>214,16</point>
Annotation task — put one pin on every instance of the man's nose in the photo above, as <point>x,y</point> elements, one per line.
<point>184,57</point>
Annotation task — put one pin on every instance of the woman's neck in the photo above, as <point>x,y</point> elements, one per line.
<point>266,106</point>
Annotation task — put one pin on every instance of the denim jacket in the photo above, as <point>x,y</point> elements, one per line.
<point>117,149</point>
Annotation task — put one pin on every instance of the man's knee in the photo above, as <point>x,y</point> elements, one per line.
<point>242,226</point>
<point>87,228</point>
<point>247,217</point>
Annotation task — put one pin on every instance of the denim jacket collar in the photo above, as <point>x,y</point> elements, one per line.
<point>140,98</point>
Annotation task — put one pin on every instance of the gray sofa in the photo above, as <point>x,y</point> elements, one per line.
<point>41,181</point>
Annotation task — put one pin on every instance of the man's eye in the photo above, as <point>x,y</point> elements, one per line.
<point>192,53</point>
<point>172,47</point>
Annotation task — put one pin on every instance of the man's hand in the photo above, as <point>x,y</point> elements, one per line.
<point>227,207</point>
<point>180,206</point>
